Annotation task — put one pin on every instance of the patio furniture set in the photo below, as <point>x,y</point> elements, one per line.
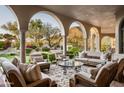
<point>102,72</point>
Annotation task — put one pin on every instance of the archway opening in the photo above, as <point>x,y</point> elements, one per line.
<point>121,37</point>
<point>93,41</point>
<point>45,33</point>
<point>107,42</point>
<point>9,34</point>
<point>76,40</point>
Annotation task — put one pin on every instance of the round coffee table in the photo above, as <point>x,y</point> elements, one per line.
<point>70,64</point>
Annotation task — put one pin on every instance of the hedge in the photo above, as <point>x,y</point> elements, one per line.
<point>2,44</point>
<point>47,55</point>
<point>45,49</point>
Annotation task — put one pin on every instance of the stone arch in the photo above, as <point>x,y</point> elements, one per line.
<point>62,29</point>
<point>82,29</point>
<point>119,35</point>
<point>94,39</point>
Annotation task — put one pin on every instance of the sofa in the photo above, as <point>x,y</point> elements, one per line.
<point>90,55</point>
<point>91,61</point>
<point>18,78</point>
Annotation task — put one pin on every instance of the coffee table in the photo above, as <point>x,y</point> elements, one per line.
<point>70,64</point>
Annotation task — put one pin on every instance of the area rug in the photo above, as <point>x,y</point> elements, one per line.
<point>56,73</point>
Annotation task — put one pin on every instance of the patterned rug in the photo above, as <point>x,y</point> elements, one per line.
<point>56,73</point>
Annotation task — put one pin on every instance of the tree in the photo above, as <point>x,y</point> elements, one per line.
<point>8,37</point>
<point>52,35</point>
<point>12,27</point>
<point>35,30</point>
<point>75,37</point>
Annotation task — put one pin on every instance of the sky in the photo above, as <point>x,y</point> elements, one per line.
<point>6,15</point>
<point>46,19</point>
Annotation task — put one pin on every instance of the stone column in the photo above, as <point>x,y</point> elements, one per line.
<point>91,43</point>
<point>64,45</point>
<point>98,44</point>
<point>22,46</point>
<point>85,44</point>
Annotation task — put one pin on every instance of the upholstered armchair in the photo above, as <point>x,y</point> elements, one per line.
<point>38,59</point>
<point>16,78</point>
<point>120,73</point>
<point>103,78</point>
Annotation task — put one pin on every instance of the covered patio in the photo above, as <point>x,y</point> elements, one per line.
<point>97,25</point>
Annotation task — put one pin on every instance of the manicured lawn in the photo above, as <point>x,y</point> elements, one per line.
<point>7,56</point>
<point>10,57</point>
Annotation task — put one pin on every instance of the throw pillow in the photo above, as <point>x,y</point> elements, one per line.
<point>82,54</point>
<point>15,62</point>
<point>104,56</point>
<point>94,73</point>
<point>30,72</point>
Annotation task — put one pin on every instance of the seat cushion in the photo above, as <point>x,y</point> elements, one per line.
<point>15,62</point>
<point>30,72</point>
<point>38,59</point>
<point>95,55</point>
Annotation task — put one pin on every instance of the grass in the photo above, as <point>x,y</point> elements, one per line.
<point>10,57</point>
<point>7,56</point>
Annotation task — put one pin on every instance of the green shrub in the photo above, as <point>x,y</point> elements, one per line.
<point>51,57</point>
<point>12,54</point>
<point>73,51</point>
<point>2,44</point>
<point>28,51</point>
<point>45,49</point>
<point>44,55</point>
